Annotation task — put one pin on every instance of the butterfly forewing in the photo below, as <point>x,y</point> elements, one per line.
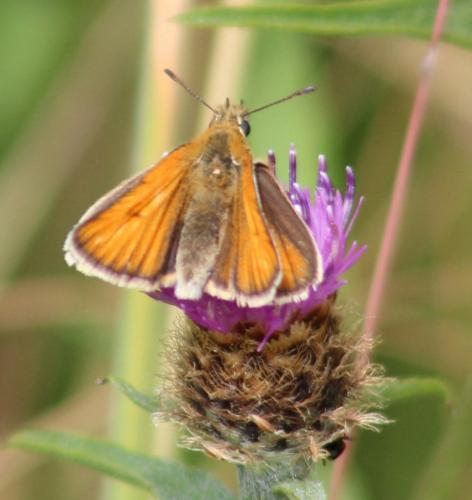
<point>129,237</point>
<point>300,259</point>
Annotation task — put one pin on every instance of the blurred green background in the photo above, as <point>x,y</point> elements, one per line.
<point>75,101</point>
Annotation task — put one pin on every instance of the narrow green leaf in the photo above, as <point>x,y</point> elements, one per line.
<point>148,403</point>
<point>369,17</point>
<point>167,480</point>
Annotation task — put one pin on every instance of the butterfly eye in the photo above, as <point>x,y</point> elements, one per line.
<point>245,127</point>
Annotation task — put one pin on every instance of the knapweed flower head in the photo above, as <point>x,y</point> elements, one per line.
<point>330,216</point>
<point>279,384</point>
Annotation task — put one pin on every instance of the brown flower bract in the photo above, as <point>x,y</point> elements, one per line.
<point>302,392</point>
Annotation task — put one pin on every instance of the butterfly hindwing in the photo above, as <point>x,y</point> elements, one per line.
<point>300,259</point>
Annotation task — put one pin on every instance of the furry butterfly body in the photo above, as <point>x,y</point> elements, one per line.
<point>204,219</point>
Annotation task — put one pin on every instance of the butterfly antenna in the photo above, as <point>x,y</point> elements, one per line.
<point>304,91</point>
<point>174,77</point>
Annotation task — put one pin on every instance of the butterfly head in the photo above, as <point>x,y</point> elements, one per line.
<point>233,114</point>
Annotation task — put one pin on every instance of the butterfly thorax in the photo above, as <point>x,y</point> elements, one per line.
<point>223,154</point>
<point>224,144</point>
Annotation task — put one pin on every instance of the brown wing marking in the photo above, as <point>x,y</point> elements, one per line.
<point>299,256</point>
<point>129,237</point>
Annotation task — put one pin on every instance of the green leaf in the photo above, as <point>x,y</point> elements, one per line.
<point>148,403</point>
<point>398,389</point>
<point>167,480</point>
<point>447,473</point>
<point>377,17</point>
<point>392,460</point>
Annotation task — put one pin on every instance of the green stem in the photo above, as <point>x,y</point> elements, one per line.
<point>255,484</point>
<point>278,481</point>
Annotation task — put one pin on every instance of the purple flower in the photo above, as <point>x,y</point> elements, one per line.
<point>330,216</point>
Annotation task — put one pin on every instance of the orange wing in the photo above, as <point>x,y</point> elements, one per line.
<point>130,236</point>
<point>300,258</point>
<point>247,269</point>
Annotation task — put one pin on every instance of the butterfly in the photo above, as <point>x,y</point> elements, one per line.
<point>205,219</point>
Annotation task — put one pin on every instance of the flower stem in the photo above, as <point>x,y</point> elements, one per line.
<point>255,484</point>
<point>391,230</point>
<point>266,482</point>
<point>390,235</point>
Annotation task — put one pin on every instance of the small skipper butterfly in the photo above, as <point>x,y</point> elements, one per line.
<point>204,219</point>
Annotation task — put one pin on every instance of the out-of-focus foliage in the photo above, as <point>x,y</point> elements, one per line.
<point>67,95</point>
<point>365,17</point>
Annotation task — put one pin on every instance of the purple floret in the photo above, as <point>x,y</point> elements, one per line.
<point>330,216</point>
